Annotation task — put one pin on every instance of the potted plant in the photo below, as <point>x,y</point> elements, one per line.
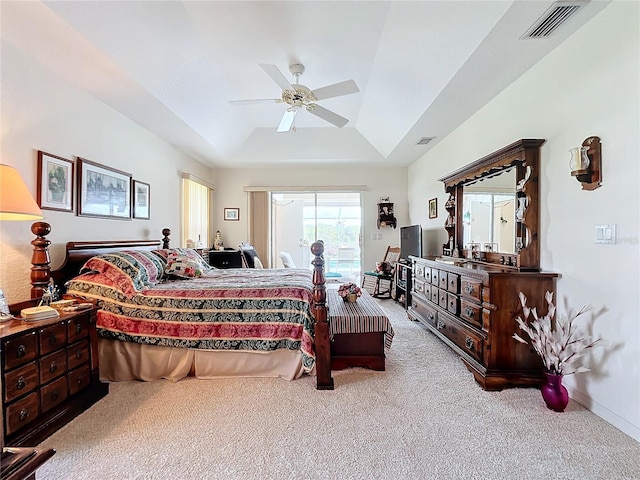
<point>558,344</point>
<point>349,292</point>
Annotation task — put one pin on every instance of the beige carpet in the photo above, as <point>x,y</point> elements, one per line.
<point>424,418</point>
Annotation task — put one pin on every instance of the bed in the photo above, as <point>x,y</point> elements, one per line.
<point>214,323</point>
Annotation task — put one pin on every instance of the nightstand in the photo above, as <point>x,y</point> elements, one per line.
<point>225,258</point>
<point>49,373</point>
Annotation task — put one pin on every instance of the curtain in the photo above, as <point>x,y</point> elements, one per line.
<point>196,212</point>
<point>259,211</point>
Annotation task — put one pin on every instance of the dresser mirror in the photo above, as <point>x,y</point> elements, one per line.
<point>488,213</point>
<point>493,209</point>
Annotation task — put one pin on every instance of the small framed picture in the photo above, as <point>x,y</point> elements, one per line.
<point>232,214</point>
<point>103,191</point>
<point>141,198</point>
<point>433,208</point>
<point>55,182</point>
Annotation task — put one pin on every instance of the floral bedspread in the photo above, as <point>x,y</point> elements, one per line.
<point>233,309</point>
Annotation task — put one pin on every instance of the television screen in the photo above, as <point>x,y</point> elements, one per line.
<point>410,242</point>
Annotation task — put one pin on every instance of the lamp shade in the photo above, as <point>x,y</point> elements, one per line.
<point>16,202</point>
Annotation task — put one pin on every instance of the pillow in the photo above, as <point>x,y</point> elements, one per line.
<point>182,266</point>
<point>287,261</point>
<point>257,263</point>
<point>185,252</point>
<point>131,270</point>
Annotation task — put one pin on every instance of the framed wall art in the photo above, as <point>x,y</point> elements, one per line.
<point>232,214</point>
<point>103,191</point>
<point>55,182</point>
<point>433,208</point>
<point>141,199</point>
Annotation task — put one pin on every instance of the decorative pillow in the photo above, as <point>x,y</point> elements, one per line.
<point>131,270</point>
<point>185,252</point>
<point>257,263</point>
<point>182,266</point>
<point>249,256</point>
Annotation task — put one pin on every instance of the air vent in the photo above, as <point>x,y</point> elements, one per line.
<point>552,19</point>
<point>424,140</point>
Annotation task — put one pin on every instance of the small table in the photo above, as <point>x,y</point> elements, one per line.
<point>359,332</point>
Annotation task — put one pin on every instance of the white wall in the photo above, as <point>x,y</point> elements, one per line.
<point>588,86</point>
<point>42,112</point>
<point>380,182</point>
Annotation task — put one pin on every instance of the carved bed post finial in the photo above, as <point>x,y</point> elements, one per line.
<point>322,345</point>
<point>40,260</point>
<point>165,240</point>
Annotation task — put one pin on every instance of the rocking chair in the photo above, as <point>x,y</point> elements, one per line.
<point>379,283</point>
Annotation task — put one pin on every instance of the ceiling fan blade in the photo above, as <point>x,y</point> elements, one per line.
<point>329,116</point>
<point>277,76</point>
<point>287,120</point>
<point>255,101</point>
<point>336,90</point>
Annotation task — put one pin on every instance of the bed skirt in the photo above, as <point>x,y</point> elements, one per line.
<point>124,361</point>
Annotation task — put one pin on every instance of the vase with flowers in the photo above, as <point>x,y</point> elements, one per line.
<point>349,292</point>
<point>558,344</point>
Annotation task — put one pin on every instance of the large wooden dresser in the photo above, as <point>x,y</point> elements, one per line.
<point>49,375</point>
<point>472,308</point>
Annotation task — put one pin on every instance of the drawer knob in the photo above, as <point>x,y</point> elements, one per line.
<point>432,316</point>
<point>440,325</point>
<point>21,383</point>
<point>468,288</point>
<point>52,339</point>
<point>80,380</point>
<point>21,351</point>
<point>78,328</point>
<point>469,312</point>
<point>79,354</point>
<point>53,367</point>
<point>468,342</point>
<point>24,414</point>
<point>55,394</point>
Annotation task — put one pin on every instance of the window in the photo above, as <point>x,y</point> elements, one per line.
<point>196,212</point>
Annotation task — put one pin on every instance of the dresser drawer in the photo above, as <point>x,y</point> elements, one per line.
<point>419,271</point>
<point>443,298</point>
<point>427,313</point>
<point>78,328</point>
<point>435,294</point>
<point>21,413</point>
<point>471,288</point>
<point>53,365</point>
<point>443,279</point>
<point>79,379</point>
<point>471,312</point>
<point>435,276</point>
<point>53,394</point>
<point>77,354</point>
<point>452,303</point>
<point>53,337</point>
<point>453,282</point>
<point>20,381</point>
<point>19,350</point>
<point>465,338</point>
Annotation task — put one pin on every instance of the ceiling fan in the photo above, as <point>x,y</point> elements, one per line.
<point>298,96</point>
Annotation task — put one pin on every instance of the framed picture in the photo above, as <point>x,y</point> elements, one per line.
<point>433,208</point>
<point>55,182</point>
<point>103,191</point>
<point>141,197</point>
<point>232,214</point>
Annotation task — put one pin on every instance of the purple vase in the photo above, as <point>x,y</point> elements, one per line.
<point>554,394</point>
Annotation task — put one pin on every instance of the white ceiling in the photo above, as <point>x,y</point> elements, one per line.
<point>423,67</point>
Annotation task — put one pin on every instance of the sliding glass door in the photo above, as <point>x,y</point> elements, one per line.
<point>300,218</point>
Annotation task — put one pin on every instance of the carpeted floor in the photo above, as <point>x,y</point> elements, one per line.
<point>424,418</point>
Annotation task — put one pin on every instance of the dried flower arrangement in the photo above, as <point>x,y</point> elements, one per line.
<point>347,289</point>
<point>555,342</point>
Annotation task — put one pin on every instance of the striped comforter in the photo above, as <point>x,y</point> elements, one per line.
<point>233,309</point>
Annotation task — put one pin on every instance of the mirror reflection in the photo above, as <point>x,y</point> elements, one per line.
<point>488,213</point>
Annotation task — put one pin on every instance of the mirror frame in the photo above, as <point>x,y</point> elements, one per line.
<point>524,155</point>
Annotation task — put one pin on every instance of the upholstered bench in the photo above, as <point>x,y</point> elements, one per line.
<point>359,331</point>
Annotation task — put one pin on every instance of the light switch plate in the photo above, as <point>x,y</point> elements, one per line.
<point>606,233</point>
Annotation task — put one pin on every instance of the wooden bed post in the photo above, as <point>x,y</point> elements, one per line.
<point>165,240</point>
<point>322,345</point>
<point>40,260</point>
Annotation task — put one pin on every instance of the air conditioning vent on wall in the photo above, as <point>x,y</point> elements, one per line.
<point>555,16</point>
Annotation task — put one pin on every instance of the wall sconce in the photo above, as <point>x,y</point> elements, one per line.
<point>585,163</point>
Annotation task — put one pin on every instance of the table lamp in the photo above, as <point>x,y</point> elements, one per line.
<point>16,203</point>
